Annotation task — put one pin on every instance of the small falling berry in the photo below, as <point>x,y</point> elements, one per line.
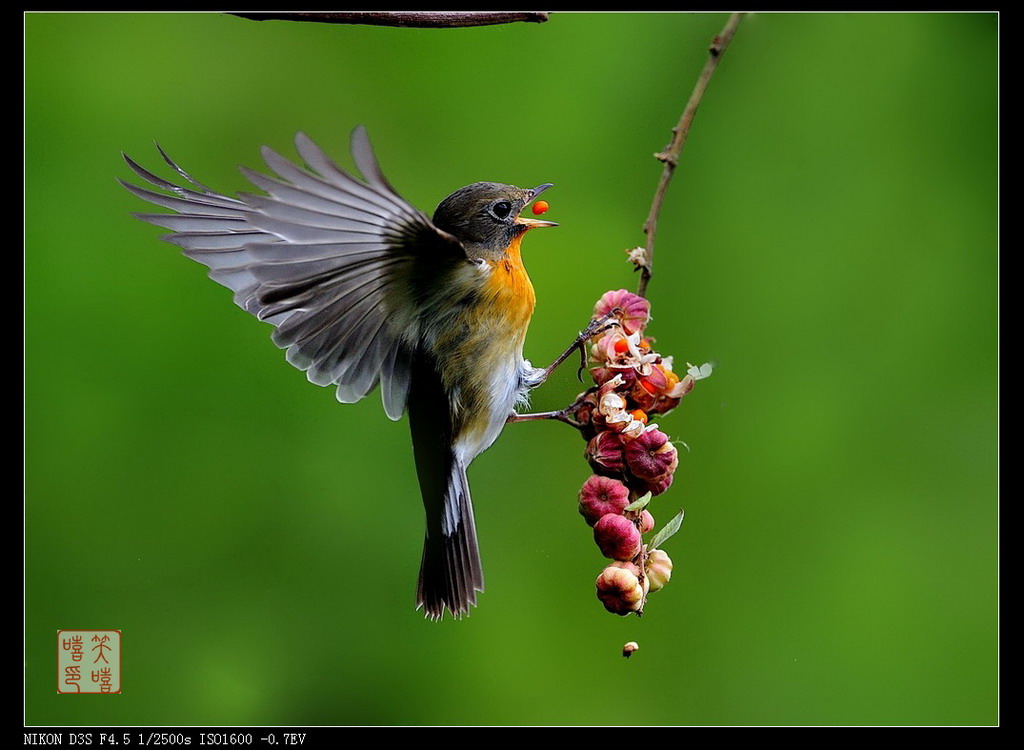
<point>539,207</point>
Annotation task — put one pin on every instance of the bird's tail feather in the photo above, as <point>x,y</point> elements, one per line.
<point>450,571</point>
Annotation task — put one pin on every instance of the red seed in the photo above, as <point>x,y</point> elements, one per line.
<point>539,207</point>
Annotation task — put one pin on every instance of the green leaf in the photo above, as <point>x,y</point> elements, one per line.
<point>667,531</point>
<point>640,503</point>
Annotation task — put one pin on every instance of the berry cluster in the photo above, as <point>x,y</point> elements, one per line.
<point>632,459</point>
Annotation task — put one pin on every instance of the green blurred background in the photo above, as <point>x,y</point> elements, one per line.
<point>830,240</point>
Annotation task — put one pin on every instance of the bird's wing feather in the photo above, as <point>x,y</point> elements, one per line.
<point>325,257</point>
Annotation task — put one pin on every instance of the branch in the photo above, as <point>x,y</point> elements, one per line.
<point>670,156</point>
<point>405,19</point>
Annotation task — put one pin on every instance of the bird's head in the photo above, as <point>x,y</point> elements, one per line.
<point>485,216</point>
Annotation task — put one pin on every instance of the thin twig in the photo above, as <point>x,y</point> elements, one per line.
<point>406,19</point>
<point>670,156</point>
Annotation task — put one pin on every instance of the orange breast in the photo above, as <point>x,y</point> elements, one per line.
<point>484,355</point>
<point>511,297</point>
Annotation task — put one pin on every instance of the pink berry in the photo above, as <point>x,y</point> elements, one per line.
<point>605,452</point>
<point>602,495</point>
<point>636,310</point>
<point>617,537</point>
<point>659,569</point>
<point>619,588</point>
<point>651,455</point>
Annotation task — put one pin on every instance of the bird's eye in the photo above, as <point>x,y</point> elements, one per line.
<point>501,209</point>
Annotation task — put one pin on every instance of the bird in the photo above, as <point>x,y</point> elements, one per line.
<point>364,290</point>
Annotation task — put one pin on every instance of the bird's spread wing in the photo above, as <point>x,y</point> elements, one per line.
<point>323,256</point>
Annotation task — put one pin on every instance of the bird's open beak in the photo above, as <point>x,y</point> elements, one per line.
<point>531,223</point>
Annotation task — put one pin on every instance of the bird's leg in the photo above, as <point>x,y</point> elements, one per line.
<point>596,326</point>
<point>562,415</point>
